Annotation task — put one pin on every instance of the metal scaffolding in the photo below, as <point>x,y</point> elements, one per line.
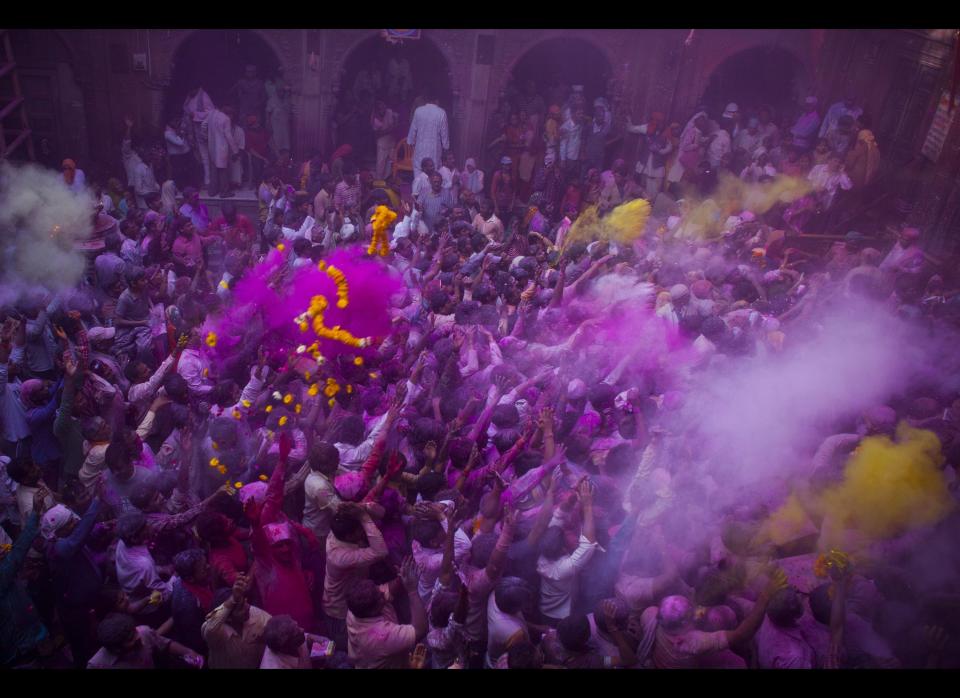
<point>12,106</point>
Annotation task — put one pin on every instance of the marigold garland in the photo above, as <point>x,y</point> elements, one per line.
<point>381,220</point>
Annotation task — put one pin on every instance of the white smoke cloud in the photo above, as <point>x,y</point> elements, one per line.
<point>40,220</point>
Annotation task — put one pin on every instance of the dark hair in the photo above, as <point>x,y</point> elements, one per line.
<point>425,531</point>
<point>430,483</point>
<point>578,447</point>
<point>363,599</point>
<point>482,548</point>
<point>324,457</point>
<point>601,396</point>
<point>210,527</point>
<point>131,370</point>
<point>505,416</point>
<point>785,607</point>
<point>821,606</point>
<point>176,388</point>
<point>351,429</point>
<point>129,525</point>
<point>527,461</point>
<point>426,429</point>
<point>523,655</point>
<point>553,545</point>
<point>344,527</point>
<point>114,631</point>
<point>185,563</point>
<point>442,605</point>
<point>437,300</point>
<point>142,494</point>
<point>19,468</point>
<point>116,456</point>
<point>282,634</point>
<point>619,458</point>
<point>220,597</point>
<point>574,632</point>
<point>504,440</point>
<point>512,594</point>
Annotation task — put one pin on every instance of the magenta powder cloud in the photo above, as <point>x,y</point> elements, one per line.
<point>269,298</point>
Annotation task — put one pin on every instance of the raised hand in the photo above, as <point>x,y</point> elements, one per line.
<point>418,658</point>
<point>286,445</point>
<point>409,574</point>
<point>430,450</point>
<point>40,500</point>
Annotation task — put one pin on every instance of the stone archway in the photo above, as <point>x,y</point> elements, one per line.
<point>365,75</point>
<point>761,75</point>
<point>47,67</point>
<point>572,60</point>
<point>215,59</point>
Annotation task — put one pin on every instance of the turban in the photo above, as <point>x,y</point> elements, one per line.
<point>678,291</point>
<point>257,491</point>
<point>675,611</point>
<point>576,389</point>
<point>277,532</point>
<point>29,390</point>
<point>55,519</point>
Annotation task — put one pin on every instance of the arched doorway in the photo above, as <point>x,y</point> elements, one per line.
<point>215,59</point>
<point>54,100</point>
<point>761,76</point>
<point>399,74</point>
<point>554,66</point>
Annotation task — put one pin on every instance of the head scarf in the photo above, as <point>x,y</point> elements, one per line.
<point>872,159</point>
<point>257,491</point>
<point>278,532</point>
<point>71,171</point>
<point>55,519</point>
<point>349,486</point>
<point>168,198</point>
<point>576,389</point>
<point>29,390</point>
<point>675,612</point>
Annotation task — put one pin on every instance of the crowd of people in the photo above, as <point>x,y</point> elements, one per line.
<point>492,488</point>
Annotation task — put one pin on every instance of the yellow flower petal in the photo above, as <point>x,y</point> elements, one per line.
<point>214,462</point>
<point>283,420</point>
<point>287,399</point>
<point>269,409</point>
<point>358,361</point>
<point>297,408</point>
<point>211,339</point>
<point>237,485</point>
<point>263,478</point>
<point>237,415</point>
<point>246,403</point>
<point>281,247</point>
<point>331,402</point>
<point>314,389</point>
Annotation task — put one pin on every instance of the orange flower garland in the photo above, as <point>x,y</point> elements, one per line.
<point>381,220</point>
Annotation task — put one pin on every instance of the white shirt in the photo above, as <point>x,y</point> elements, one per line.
<point>558,579</point>
<point>176,145</point>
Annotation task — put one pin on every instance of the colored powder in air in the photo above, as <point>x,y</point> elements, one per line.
<point>626,222</point>
<point>788,523</point>
<point>623,225</point>
<point>890,487</point>
<point>268,299</point>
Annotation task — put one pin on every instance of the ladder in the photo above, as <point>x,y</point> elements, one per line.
<point>11,102</point>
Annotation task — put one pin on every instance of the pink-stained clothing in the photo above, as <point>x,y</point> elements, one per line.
<point>228,561</point>
<point>283,586</point>
<point>380,642</point>
<point>682,650</point>
<point>194,368</point>
<point>348,563</point>
<point>783,648</point>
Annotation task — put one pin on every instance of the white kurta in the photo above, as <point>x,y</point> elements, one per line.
<point>428,135</point>
<point>220,137</point>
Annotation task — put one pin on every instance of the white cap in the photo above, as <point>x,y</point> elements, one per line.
<point>731,109</point>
